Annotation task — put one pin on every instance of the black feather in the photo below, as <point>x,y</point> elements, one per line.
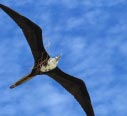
<point>33,34</point>
<point>74,86</point>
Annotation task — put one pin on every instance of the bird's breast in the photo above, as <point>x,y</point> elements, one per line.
<point>48,67</point>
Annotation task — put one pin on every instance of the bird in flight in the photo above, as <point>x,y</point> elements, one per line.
<point>44,64</point>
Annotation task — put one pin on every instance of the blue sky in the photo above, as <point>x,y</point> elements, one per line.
<point>92,37</point>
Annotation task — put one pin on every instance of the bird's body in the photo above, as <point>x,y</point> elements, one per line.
<point>51,64</point>
<point>44,64</point>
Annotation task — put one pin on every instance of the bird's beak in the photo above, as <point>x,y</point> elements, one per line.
<point>57,58</point>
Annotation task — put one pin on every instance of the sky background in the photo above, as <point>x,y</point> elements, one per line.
<point>92,37</point>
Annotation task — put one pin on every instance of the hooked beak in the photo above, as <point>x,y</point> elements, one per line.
<point>57,58</point>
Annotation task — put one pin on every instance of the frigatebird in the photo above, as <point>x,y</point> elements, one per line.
<point>44,64</point>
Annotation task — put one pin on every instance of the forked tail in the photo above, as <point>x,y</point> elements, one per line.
<point>21,81</point>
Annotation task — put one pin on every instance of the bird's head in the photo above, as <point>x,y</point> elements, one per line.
<point>57,58</point>
<point>54,61</point>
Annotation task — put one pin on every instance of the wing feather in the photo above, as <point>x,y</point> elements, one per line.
<point>32,32</point>
<point>76,87</point>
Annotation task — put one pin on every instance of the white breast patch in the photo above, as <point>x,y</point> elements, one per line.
<point>52,63</point>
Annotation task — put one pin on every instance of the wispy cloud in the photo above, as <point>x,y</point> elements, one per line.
<point>92,37</point>
<point>101,3</point>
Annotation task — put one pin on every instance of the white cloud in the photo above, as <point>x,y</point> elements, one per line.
<point>101,3</point>
<point>91,57</point>
<point>74,23</point>
<point>19,3</point>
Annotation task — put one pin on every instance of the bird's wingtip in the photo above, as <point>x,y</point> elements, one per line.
<point>12,86</point>
<point>1,6</point>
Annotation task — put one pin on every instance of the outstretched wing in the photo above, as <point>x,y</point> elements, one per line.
<point>32,32</point>
<point>76,87</point>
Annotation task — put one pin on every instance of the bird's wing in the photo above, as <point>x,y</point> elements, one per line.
<point>76,87</point>
<point>32,32</point>
<point>22,80</point>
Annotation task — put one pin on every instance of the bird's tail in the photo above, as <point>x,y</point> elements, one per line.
<point>22,80</point>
